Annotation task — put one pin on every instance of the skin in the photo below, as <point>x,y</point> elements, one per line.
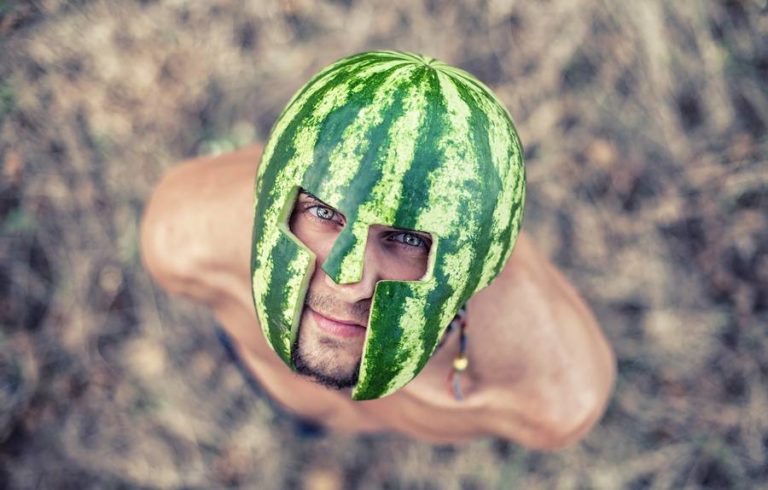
<point>540,371</point>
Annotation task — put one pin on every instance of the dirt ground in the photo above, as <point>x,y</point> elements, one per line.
<point>645,132</point>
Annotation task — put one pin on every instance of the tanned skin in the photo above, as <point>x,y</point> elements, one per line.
<point>540,370</point>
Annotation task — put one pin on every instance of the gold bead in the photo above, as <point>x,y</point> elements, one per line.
<point>460,363</point>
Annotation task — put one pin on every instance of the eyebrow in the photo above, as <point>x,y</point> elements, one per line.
<point>310,195</point>
<point>317,199</point>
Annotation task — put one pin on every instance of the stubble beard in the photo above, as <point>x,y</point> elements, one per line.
<point>321,361</point>
<point>322,370</point>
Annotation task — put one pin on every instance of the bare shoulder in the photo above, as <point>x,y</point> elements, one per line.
<point>195,231</point>
<point>543,365</point>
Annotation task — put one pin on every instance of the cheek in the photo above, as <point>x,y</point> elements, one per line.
<point>404,267</point>
<point>318,242</point>
<point>414,271</point>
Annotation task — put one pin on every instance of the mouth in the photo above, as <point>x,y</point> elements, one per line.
<point>338,328</point>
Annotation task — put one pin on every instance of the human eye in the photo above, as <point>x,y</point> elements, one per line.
<point>410,240</point>
<point>324,214</point>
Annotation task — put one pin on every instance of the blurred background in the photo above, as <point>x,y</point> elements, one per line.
<point>644,125</point>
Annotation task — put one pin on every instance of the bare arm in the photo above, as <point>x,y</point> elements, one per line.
<point>541,365</point>
<point>544,367</point>
<point>196,235</point>
<point>195,232</point>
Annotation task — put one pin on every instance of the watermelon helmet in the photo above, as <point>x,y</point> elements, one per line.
<point>394,139</point>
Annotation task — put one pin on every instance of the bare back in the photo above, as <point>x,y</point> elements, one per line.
<point>540,370</point>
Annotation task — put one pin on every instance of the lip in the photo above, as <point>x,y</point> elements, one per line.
<point>338,328</point>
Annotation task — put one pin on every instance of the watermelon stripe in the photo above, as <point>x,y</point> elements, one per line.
<point>464,78</point>
<point>450,195</point>
<point>394,160</point>
<point>426,159</point>
<point>387,366</point>
<point>382,207</point>
<point>321,82</point>
<point>355,139</point>
<point>345,261</point>
<point>518,199</point>
<point>503,227</point>
<point>491,183</point>
<point>440,205</point>
<point>297,153</point>
<point>447,183</point>
<point>285,304</point>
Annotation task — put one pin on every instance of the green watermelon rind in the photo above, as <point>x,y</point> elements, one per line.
<point>401,140</point>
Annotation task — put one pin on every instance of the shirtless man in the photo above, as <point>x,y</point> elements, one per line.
<point>539,373</point>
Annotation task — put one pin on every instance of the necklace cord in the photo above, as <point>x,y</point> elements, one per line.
<point>460,362</point>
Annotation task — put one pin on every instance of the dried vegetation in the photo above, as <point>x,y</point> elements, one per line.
<point>645,132</point>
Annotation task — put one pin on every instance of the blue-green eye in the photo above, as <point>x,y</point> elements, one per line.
<point>410,239</point>
<point>323,213</point>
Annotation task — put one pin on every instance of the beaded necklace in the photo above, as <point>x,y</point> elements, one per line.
<point>460,362</point>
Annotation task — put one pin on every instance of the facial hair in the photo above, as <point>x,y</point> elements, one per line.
<point>324,371</point>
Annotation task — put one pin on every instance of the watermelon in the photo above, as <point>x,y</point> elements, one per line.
<point>401,140</point>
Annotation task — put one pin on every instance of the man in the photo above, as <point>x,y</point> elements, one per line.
<point>388,198</point>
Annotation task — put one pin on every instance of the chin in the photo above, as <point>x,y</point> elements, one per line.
<point>326,362</point>
<point>331,376</point>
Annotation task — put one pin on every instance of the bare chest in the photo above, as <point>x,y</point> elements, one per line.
<point>425,409</point>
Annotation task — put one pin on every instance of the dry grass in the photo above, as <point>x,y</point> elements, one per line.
<point>645,129</point>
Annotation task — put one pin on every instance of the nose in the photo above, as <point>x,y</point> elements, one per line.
<point>373,272</point>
